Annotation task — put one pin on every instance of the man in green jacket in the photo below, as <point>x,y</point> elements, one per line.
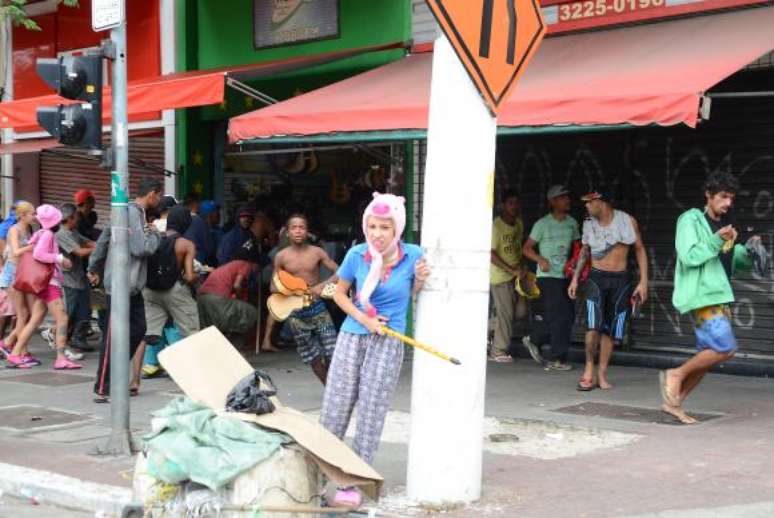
<point>706,259</point>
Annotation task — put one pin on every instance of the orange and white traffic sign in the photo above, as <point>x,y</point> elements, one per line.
<point>494,39</point>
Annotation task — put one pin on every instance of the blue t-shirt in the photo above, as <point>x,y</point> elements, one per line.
<point>391,298</point>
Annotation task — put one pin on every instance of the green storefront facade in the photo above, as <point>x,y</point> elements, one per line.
<point>221,34</point>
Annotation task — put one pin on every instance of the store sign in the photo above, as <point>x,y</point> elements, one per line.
<point>583,10</point>
<point>573,15</point>
<point>106,14</point>
<point>494,40</point>
<point>284,22</point>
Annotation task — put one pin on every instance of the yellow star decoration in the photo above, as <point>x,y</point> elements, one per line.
<point>224,105</point>
<point>198,187</point>
<point>248,101</point>
<point>198,158</point>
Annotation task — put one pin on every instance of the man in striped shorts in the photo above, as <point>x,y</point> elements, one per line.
<point>608,235</point>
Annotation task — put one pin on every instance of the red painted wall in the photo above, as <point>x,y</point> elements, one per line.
<point>70,28</point>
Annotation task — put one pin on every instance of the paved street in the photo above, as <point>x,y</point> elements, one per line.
<point>549,450</point>
<point>15,508</point>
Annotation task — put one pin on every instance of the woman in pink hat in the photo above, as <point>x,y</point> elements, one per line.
<point>385,272</point>
<point>46,250</point>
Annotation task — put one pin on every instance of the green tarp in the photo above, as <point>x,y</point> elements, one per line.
<point>190,442</point>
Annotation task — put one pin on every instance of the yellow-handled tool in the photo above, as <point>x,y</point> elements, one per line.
<point>419,345</point>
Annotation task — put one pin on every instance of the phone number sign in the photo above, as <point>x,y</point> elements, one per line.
<point>585,9</point>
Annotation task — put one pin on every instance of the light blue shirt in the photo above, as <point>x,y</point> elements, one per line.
<point>391,298</point>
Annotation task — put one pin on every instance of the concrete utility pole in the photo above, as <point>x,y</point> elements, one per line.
<point>447,401</point>
<point>120,441</point>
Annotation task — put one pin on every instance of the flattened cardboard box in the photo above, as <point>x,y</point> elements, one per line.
<point>206,367</point>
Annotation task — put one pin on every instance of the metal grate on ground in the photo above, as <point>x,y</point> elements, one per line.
<point>28,418</point>
<point>628,413</point>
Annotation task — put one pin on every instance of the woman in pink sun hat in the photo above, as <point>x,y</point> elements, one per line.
<point>50,299</point>
<point>385,273</point>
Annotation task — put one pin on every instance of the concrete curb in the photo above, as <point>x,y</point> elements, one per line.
<point>62,491</point>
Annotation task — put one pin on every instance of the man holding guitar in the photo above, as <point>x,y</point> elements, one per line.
<point>312,327</point>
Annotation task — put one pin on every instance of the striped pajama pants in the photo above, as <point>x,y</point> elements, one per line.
<point>364,370</point>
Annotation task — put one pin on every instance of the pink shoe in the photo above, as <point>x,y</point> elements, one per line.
<point>63,364</point>
<point>16,362</point>
<point>349,497</point>
<point>31,360</point>
<point>5,349</point>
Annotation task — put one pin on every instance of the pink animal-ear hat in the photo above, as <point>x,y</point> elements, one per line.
<point>382,206</point>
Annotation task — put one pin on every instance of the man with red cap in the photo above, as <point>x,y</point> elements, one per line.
<point>84,200</point>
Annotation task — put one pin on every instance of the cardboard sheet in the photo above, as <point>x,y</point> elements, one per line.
<point>206,367</point>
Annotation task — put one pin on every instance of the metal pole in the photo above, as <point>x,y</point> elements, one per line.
<point>6,161</point>
<point>120,441</point>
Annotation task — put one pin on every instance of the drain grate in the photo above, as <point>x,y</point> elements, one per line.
<point>628,413</point>
<point>26,418</point>
<point>48,379</point>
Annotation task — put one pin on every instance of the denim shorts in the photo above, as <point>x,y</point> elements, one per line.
<point>714,330</point>
<point>8,276</point>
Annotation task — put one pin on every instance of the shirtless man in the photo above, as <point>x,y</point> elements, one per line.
<point>608,235</point>
<point>312,326</point>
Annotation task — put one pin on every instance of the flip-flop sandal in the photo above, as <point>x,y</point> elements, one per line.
<point>134,392</point>
<point>101,399</point>
<point>586,385</point>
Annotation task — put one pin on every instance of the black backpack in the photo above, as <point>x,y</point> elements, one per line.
<point>163,271</point>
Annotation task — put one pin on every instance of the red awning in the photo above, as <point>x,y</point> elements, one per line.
<point>180,90</point>
<point>647,74</point>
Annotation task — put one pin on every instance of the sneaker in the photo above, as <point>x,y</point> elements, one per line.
<point>153,371</point>
<point>63,364</point>
<point>81,345</point>
<point>349,497</point>
<point>48,335</point>
<point>533,350</point>
<point>558,366</point>
<point>5,349</point>
<point>16,362</point>
<point>72,355</point>
<point>31,360</point>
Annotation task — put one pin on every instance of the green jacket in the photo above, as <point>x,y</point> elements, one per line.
<point>700,280</point>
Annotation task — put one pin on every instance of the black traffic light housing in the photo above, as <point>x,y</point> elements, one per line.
<point>78,78</point>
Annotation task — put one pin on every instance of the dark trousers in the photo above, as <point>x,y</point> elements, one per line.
<point>558,316</point>
<point>137,326</point>
<point>78,306</point>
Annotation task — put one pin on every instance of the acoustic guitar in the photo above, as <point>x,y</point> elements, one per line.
<point>281,306</point>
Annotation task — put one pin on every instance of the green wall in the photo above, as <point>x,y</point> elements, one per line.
<point>219,33</point>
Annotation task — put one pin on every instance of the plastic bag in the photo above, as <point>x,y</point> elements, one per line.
<point>247,396</point>
<point>759,254</point>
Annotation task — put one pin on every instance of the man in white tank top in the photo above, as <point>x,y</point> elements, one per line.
<point>608,235</point>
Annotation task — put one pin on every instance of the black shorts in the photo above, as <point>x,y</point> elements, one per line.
<point>608,303</point>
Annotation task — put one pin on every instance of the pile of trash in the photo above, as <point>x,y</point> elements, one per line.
<point>230,448</point>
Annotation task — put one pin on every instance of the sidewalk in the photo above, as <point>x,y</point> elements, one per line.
<point>538,461</point>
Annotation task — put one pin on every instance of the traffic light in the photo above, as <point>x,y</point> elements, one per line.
<point>78,78</point>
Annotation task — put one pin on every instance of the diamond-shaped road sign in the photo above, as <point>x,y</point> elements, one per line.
<point>494,39</point>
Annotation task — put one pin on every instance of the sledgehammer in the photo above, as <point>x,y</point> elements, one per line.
<point>419,345</point>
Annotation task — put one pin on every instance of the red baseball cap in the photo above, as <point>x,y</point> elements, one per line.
<point>81,196</point>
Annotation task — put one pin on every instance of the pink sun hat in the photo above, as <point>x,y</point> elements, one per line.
<point>48,216</point>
